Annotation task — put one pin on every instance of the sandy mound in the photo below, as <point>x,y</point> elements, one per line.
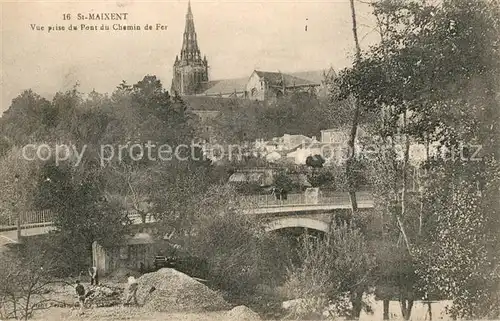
<point>242,313</point>
<point>177,292</point>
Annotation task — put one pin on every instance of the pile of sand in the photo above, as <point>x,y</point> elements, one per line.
<point>177,292</point>
<point>242,313</point>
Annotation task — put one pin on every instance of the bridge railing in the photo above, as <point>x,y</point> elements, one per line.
<point>324,198</point>
<point>27,218</point>
<point>258,201</point>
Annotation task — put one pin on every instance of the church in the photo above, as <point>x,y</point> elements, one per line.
<point>191,78</point>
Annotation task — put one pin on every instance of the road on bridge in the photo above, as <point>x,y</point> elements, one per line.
<point>7,237</point>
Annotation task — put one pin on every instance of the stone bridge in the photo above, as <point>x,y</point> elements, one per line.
<point>316,212</point>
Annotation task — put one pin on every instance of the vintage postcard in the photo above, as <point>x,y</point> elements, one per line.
<point>249,160</point>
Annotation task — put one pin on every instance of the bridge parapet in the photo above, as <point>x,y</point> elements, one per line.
<point>263,204</point>
<point>331,198</point>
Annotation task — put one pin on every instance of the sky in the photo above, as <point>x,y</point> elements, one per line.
<point>237,37</point>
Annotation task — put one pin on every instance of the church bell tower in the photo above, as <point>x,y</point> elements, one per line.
<point>190,70</point>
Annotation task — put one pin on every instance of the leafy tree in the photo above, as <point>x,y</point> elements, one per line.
<point>29,117</point>
<point>240,254</point>
<point>82,215</point>
<point>315,161</point>
<point>25,279</point>
<point>435,76</point>
<point>334,269</point>
<point>17,183</point>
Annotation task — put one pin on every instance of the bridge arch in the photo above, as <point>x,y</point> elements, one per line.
<point>290,222</point>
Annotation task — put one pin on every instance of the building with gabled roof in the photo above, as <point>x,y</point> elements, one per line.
<point>190,76</point>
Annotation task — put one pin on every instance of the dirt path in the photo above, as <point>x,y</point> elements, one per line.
<point>124,313</point>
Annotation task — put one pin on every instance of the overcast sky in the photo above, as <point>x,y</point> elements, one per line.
<point>236,36</point>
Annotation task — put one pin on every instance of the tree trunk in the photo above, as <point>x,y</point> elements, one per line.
<point>386,309</point>
<point>355,121</point>
<point>406,307</point>
<point>405,179</point>
<point>357,304</point>
<point>355,30</point>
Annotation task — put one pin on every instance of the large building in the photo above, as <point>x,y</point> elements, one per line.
<point>190,76</point>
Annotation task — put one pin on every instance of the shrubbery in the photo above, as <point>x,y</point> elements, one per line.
<point>334,275</point>
<point>240,254</point>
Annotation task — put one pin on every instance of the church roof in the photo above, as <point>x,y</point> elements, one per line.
<point>225,86</point>
<point>277,79</point>
<point>228,86</point>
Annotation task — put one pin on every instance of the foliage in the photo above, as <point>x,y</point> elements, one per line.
<point>82,214</point>
<point>240,254</point>
<point>25,277</point>
<point>333,269</point>
<point>434,78</point>
<point>461,259</point>
<point>294,114</point>
<point>17,183</point>
<point>105,128</point>
<point>315,161</point>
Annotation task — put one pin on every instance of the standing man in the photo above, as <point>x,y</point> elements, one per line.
<point>132,290</point>
<point>93,276</point>
<point>80,292</point>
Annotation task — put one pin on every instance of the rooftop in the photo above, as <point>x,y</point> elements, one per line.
<point>227,86</point>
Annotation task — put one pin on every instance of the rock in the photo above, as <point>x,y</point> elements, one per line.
<point>242,313</point>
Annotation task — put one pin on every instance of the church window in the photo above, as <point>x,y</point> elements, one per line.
<point>254,91</point>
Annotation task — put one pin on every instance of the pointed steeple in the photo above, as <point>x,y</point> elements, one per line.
<point>190,50</point>
<point>190,70</point>
<point>189,8</point>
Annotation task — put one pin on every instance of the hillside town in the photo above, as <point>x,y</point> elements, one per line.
<point>368,192</point>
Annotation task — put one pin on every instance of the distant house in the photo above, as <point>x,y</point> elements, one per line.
<point>138,251</point>
<point>273,157</point>
<point>299,155</point>
<point>279,147</point>
<point>226,88</point>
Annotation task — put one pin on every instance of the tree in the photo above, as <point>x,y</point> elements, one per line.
<point>29,116</point>
<point>17,183</point>
<point>240,254</point>
<point>82,215</point>
<point>315,161</point>
<point>334,269</point>
<point>425,79</point>
<point>25,279</point>
<point>355,121</point>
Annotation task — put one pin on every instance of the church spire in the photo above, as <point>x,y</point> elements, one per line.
<point>189,8</point>
<point>190,50</point>
<point>190,69</point>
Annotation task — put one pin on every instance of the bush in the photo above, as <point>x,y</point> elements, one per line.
<point>240,255</point>
<point>334,274</point>
<point>25,276</point>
